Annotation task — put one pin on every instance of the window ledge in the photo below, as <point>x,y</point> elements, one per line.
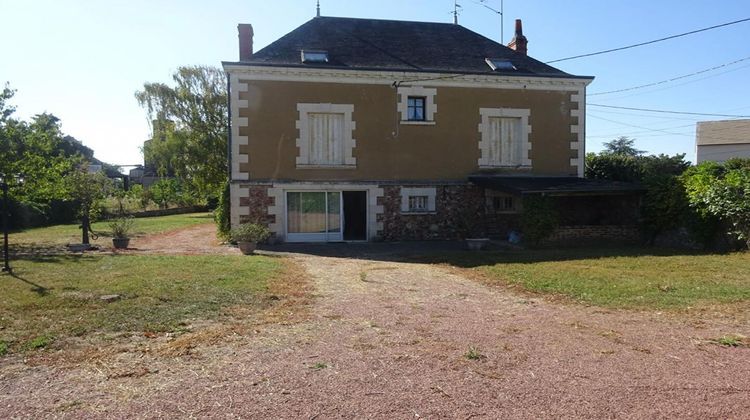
<point>417,213</point>
<point>505,167</point>
<point>326,166</point>
<point>406,122</point>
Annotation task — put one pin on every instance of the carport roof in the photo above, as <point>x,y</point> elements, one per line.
<point>553,185</point>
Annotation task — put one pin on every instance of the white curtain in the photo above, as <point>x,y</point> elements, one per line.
<point>326,139</point>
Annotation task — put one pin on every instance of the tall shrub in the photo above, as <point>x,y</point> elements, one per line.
<point>539,219</point>
<point>222,214</point>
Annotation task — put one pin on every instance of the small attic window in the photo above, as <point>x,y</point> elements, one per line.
<point>314,56</point>
<point>500,64</point>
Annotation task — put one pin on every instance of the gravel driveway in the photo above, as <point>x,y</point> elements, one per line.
<point>388,339</point>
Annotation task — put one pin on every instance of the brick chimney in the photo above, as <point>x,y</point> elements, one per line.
<point>246,41</point>
<point>519,42</point>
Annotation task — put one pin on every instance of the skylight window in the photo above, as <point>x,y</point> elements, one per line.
<point>500,64</point>
<point>314,56</point>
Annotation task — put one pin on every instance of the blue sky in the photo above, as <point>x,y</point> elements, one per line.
<point>83,60</point>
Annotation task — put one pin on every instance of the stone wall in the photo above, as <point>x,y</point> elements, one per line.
<point>257,202</point>
<point>454,204</point>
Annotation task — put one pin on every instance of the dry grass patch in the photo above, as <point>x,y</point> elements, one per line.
<point>168,304</point>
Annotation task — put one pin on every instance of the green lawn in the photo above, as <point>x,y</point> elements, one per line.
<point>65,234</point>
<point>622,278</point>
<point>53,298</point>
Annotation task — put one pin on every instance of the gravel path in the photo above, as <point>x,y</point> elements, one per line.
<point>389,339</point>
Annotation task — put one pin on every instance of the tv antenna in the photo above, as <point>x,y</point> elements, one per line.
<point>456,8</point>
<point>483,3</point>
<point>318,9</point>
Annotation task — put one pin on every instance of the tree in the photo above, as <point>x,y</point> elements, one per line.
<point>189,127</point>
<point>87,189</point>
<point>622,146</point>
<point>722,191</point>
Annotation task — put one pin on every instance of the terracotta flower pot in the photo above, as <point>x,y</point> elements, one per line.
<point>120,243</point>
<point>247,248</point>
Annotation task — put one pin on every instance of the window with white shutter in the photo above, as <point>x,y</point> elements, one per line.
<point>504,138</point>
<point>325,136</point>
<point>326,139</point>
<point>505,141</point>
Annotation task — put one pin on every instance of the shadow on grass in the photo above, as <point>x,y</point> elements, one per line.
<point>454,252</point>
<point>36,288</point>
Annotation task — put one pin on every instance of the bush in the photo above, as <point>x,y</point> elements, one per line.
<point>538,220</point>
<point>722,191</point>
<point>222,214</point>
<point>250,232</point>
<point>121,226</point>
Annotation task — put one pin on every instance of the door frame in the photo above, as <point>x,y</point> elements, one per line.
<point>315,237</point>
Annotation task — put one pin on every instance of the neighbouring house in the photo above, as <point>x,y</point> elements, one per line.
<point>362,129</point>
<point>721,140</point>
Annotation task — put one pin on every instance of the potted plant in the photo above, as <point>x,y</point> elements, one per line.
<point>247,236</point>
<point>120,228</point>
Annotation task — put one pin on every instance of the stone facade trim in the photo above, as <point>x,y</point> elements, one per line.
<point>303,142</point>
<point>236,193</point>
<point>578,131</point>
<point>430,106</point>
<point>238,122</point>
<point>410,192</point>
<point>484,129</point>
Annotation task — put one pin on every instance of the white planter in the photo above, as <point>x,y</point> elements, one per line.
<point>477,244</point>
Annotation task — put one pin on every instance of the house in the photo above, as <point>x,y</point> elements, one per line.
<point>362,129</point>
<point>722,140</point>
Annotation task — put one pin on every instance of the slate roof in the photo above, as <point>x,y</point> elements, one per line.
<point>723,132</point>
<point>371,44</point>
<point>553,185</point>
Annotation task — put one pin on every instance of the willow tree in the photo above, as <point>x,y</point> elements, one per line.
<point>189,122</point>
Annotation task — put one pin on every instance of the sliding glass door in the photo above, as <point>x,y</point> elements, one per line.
<point>314,216</point>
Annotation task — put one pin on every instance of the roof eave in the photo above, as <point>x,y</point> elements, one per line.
<point>247,67</point>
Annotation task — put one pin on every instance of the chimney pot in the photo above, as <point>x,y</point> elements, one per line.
<point>245,31</point>
<point>519,42</point>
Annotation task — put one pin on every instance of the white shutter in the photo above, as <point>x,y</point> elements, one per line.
<point>326,139</point>
<point>495,146</point>
<point>505,141</point>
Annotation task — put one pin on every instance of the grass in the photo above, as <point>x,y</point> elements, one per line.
<point>621,278</point>
<point>49,300</point>
<point>473,354</point>
<point>319,366</point>
<point>732,341</point>
<point>64,234</point>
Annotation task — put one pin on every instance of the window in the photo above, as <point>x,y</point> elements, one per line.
<point>415,108</point>
<point>416,105</point>
<point>505,138</point>
<point>505,141</point>
<point>325,139</point>
<point>314,56</point>
<point>500,64</point>
<point>418,203</point>
<point>418,200</point>
<point>497,202</point>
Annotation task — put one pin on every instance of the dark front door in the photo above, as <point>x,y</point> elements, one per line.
<point>355,215</point>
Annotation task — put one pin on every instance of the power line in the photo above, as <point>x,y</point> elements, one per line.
<point>661,82</point>
<point>679,84</point>
<point>650,42</point>
<point>670,112</point>
<point>656,129</point>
